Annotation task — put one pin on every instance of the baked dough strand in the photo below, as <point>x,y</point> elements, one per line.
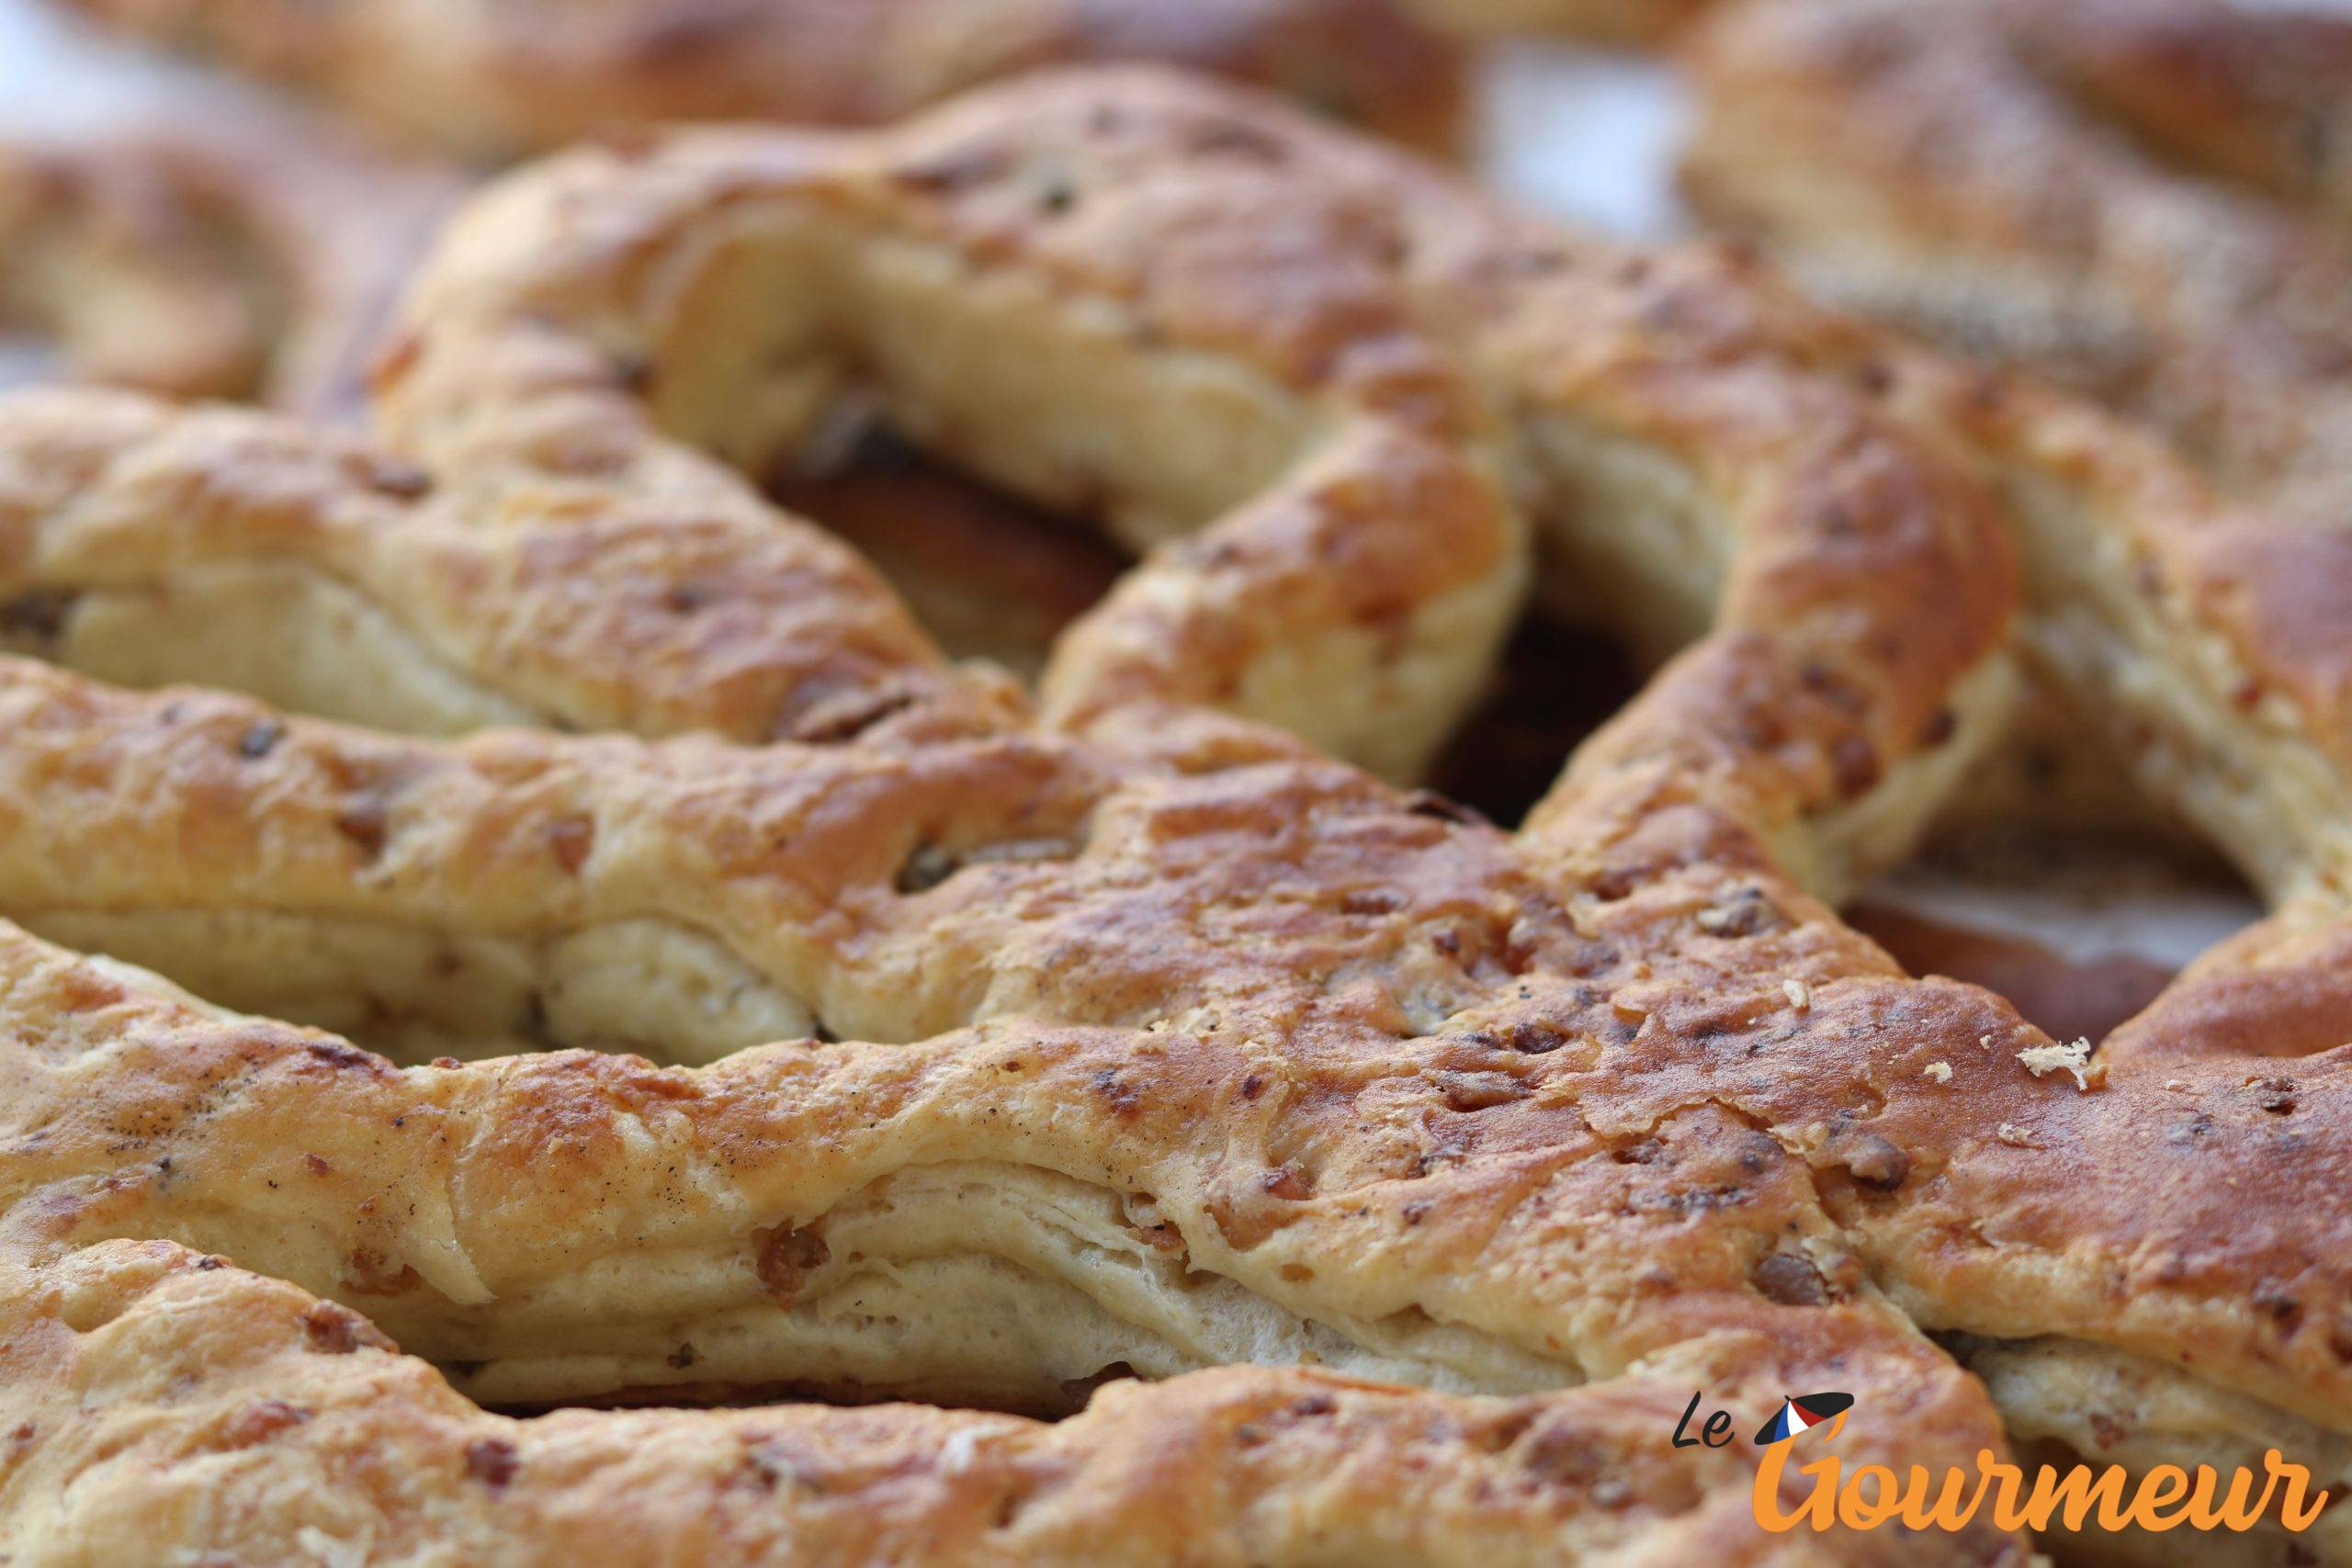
<point>1001,1056</point>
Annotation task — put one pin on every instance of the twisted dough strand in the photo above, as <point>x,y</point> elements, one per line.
<point>1151,1038</point>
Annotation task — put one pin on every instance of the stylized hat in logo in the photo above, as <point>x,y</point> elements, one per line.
<point>1797,1414</point>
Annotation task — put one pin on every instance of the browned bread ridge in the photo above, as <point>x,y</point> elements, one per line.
<point>841,1028</point>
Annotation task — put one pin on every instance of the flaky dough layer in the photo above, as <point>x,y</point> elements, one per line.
<point>1140,1037</point>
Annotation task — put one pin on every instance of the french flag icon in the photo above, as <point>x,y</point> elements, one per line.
<point>1797,1414</point>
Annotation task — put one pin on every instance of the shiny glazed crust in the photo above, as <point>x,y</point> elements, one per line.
<point>1183,1047</point>
<point>1415,1210</point>
<point>500,79</point>
<point>2145,199</point>
<point>1317,335</point>
<point>2142,200</point>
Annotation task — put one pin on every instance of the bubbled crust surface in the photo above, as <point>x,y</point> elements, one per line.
<point>1234,1466</point>
<point>2142,198</point>
<point>498,79</point>
<point>1511,1173</point>
<point>582,611</point>
<point>1615,1094</point>
<point>1353,278</point>
<point>2143,201</point>
<point>1610,1056</point>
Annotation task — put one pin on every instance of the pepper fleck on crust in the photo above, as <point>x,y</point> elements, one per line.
<point>1424,1168</point>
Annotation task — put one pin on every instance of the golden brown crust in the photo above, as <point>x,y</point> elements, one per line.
<point>1187,1044</point>
<point>1450,1178</point>
<point>1237,1465</point>
<point>1639,22</point>
<point>497,81</point>
<point>563,326</point>
<point>2145,198</point>
<point>575,610</point>
<point>237,259</point>
<point>182,310</point>
<point>1363,1078</point>
<point>2138,200</point>
<point>544,344</point>
<point>2141,199</point>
